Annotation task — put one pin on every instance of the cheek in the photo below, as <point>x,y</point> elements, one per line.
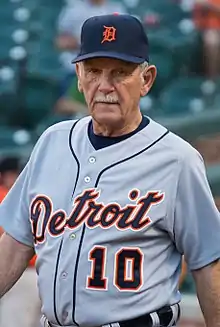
<point>130,92</point>
<point>89,90</point>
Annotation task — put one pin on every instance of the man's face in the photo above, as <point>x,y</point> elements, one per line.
<point>112,88</point>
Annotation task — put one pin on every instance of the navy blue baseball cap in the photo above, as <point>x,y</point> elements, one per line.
<point>113,36</point>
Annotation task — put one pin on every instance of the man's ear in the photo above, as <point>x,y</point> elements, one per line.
<point>148,77</point>
<point>79,86</point>
<point>78,73</point>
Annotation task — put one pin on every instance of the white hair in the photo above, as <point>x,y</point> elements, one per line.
<point>143,66</point>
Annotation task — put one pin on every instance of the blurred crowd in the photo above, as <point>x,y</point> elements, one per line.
<point>204,15</point>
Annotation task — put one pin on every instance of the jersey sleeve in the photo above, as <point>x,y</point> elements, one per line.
<point>196,219</point>
<point>14,210</point>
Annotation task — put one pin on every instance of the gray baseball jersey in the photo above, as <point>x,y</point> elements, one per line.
<point>109,226</point>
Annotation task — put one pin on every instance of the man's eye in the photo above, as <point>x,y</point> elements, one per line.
<point>93,70</point>
<point>120,72</point>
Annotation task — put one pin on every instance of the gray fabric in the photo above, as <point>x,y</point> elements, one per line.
<point>183,221</point>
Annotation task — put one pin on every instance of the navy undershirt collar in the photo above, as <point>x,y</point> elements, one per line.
<point>99,141</point>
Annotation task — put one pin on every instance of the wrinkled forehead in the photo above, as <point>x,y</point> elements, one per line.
<point>108,63</point>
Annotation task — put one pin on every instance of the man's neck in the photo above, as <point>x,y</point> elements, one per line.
<point>114,131</point>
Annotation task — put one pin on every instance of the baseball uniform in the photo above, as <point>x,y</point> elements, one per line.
<point>109,226</point>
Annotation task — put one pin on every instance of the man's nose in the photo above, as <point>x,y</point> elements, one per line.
<point>105,84</point>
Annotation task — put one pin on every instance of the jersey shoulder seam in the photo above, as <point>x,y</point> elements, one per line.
<point>61,126</point>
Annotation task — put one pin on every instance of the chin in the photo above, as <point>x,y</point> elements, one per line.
<point>108,119</point>
<point>111,116</point>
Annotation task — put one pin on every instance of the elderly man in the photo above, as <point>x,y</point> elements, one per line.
<point>112,201</point>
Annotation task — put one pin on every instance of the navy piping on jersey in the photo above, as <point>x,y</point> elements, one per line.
<point>55,282</point>
<point>75,157</point>
<point>99,141</point>
<point>61,243</point>
<point>84,225</point>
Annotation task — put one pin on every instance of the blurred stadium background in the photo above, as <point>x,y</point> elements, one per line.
<point>185,97</point>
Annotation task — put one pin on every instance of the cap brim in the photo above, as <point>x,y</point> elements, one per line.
<point>105,54</point>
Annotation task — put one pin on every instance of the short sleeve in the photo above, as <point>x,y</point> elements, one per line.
<point>14,210</point>
<point>196,221</point>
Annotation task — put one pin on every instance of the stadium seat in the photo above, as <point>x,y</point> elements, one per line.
<point>50,120</point>
<point>169,12</point>
<point>216,96</point>
<point>47,67</point>
<point>157,12</point>
<point>7,107</point>
<point>47,14</point>
<point>165,70</point>
<point>8,89</point>
<point>29,4</point>
<point>12,34</point>
<point>15,141</point>
<point>40,95</point>
<point>43,59</point>
<point>184,95</point>
<point>213,173</point>
<point>171,51</point>
<point>181,46</point>
<point>6,14</point>
<point>11,137</point>
<point>148,105</point>
<point>5,49</point>
<point>185,47</point>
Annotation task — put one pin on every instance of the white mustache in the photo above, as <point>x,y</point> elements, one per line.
<point>108,98</point>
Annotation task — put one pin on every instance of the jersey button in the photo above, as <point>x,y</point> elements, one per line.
<point>64,275</point>
<point>72,236</point>
<point>92,160</point>
<point>87,179</point>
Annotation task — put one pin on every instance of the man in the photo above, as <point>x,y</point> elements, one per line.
<point>112,201</point>
<point>207,20</point>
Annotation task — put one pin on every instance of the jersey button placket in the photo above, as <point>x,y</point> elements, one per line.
<point>64,275</point>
